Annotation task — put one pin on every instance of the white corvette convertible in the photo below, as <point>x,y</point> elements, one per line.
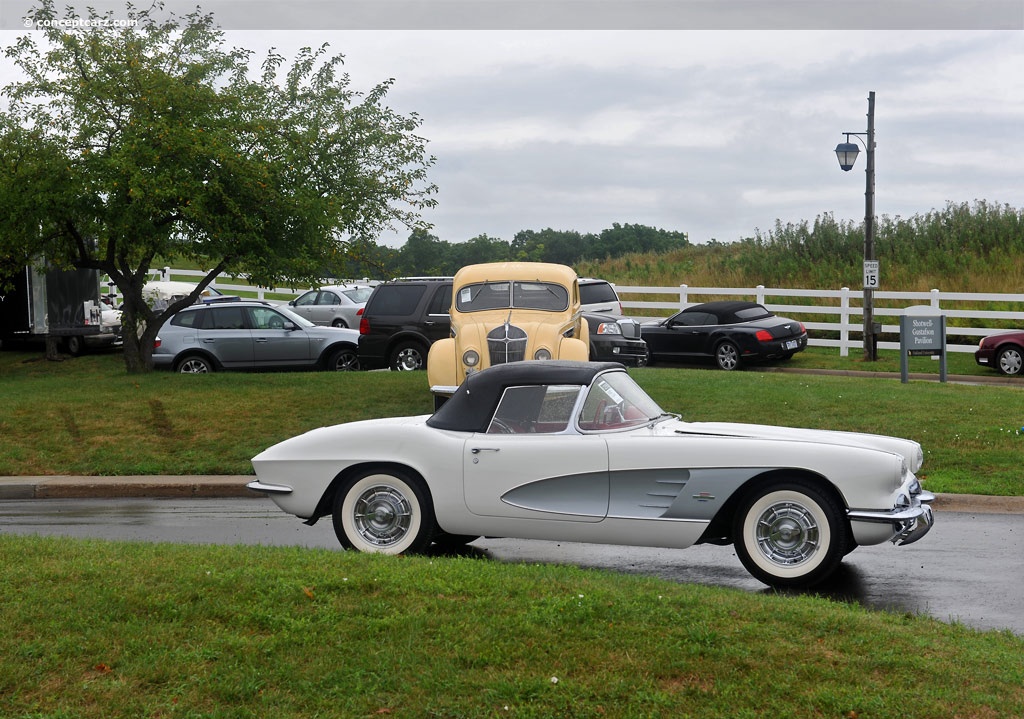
<point>577,452</point>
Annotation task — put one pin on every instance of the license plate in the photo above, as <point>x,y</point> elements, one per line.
<point>791,345</point>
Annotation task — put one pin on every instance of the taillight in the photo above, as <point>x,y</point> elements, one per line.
<point>364,326</point>
<point>763,336</point>
<point>359,312</point>
<point>157,342</point>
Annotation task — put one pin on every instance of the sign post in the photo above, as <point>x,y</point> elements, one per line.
<point>922,332</point>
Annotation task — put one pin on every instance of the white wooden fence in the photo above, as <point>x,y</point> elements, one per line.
<point>844,305</point>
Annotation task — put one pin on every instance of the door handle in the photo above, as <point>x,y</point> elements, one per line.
<point>478,450</point>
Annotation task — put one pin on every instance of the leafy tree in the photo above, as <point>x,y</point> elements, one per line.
<point>423,254</point>
<point>121,145</point>
<point>565,247</point>
<point>619,240</point>
<point>478,250</point>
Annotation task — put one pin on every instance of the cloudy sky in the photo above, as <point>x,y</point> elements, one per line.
<point>576,122</point>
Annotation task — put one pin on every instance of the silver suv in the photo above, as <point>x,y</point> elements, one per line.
<point>251,335</point>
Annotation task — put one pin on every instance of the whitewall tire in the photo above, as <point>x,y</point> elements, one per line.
<point>790,534</point>
<point>385,512</point>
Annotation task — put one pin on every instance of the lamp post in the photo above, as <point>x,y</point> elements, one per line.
<point>847,153</point>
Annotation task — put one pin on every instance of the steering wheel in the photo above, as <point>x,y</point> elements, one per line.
<point>275,323</point>
<point>499,427</point>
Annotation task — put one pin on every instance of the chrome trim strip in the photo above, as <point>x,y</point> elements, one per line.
<point>891,516</point>
<point>258,486</point>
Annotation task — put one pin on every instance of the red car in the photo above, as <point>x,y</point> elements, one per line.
<point>1003,351</point>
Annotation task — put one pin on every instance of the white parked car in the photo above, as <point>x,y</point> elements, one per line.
<point>577,452</point>
<point>599,297</point>
<point>160,293</point>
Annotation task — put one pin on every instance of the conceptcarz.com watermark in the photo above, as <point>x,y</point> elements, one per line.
<point>77,23</point>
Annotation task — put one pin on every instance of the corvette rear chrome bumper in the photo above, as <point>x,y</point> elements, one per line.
<point>258,486</point>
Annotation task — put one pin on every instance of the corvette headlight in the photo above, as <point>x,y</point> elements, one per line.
<point>542,354</point>
<point>470,358</point>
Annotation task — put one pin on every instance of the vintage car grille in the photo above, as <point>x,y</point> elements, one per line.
<point>506,344</point>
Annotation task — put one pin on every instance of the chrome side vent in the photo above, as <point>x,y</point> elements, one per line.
<point>665,494</point>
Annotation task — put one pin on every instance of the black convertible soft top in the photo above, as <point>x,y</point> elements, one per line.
<point>732,311</point>
<point>471,407</point>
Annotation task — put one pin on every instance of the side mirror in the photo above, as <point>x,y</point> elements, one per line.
<point>290,326</point>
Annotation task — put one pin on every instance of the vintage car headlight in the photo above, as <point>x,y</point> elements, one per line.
<point>470,358</point>
<point>609,328</point>
<point>542,354</point>
<point>918,460</point>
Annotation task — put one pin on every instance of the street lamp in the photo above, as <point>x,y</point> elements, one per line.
<point>846,153</point>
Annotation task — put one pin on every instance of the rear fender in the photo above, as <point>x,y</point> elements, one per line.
<point>326,504</point>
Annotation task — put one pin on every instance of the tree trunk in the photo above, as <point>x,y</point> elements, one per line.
<point>138,344</point>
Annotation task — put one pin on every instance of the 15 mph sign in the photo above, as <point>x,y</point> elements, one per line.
<point>871,274</point>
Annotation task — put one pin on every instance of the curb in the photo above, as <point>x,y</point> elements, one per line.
<point>233,486</point>
<point>159,486</point>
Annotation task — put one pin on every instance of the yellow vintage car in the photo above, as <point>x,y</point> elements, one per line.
<point>507,311</point>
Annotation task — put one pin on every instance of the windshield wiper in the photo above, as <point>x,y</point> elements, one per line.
<point>663,416</point>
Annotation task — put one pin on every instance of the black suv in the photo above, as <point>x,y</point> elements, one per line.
<point>402,319</point>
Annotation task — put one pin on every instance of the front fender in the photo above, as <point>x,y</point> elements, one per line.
<point>574,349</point>
<point>442,365</point>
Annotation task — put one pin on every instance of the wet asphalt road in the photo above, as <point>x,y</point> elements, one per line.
<point>968,569</point>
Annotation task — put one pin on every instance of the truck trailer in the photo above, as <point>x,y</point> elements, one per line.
<point>64,305</point>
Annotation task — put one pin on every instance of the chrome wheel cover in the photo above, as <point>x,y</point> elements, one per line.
<point>1010,362</point>
<point>382,516</point>
<point>409,359</point>
<point>787,534</point>
<point>728,356</point>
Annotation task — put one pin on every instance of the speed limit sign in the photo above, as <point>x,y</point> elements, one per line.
<point>870,274</point>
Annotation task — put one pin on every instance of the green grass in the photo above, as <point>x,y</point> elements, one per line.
<point>87,416</point>
<point>112,629</point>
<point>107,629</point>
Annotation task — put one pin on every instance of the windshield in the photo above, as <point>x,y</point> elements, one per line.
<point>615,401</point>
<point>297,319</point>
<point>505,295</point>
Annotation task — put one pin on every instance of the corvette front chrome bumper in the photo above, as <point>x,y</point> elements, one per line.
<point>911,518</point>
